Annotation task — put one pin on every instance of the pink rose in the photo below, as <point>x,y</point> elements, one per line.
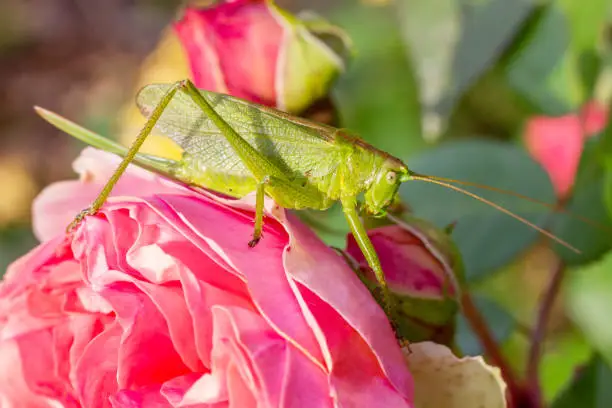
<point>256,51</point>
<point>422,269</point>
<point>557,142</point>
<point>158,302</point>
<point>411,266</point>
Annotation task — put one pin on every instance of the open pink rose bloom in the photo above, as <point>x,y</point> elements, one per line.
<point>157,301</point>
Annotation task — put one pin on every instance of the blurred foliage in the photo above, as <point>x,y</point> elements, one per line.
<point>14,241</point>
<point>589,302</point>
<point>78,58</point>
<point>445,85</point>
<point>590,388</point>
<point>386,112</point>
<point>567,353</point>
<point>490,163</point>
<point>499,321</point>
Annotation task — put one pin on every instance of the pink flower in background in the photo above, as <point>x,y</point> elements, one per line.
<point>254,50</point>
<point>557,142</point>
<point>411,265</point>
<point>158,302</point>
<point>422,271</point>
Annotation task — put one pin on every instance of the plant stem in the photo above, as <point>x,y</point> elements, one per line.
<point>539,333</point>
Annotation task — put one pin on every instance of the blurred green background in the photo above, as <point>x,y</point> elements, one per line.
<point>446,85</point>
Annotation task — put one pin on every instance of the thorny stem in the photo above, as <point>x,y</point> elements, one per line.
<point>491,348</point>
<point>539,332</point>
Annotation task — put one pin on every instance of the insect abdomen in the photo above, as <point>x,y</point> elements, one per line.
<point>194,171</point>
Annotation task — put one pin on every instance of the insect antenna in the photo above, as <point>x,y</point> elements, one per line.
<point>443,182</point>
<point>553,207</point>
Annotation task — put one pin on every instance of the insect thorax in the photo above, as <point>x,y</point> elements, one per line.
<point>372,171</point>
<point>357,171</point>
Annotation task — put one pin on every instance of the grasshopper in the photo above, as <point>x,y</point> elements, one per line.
<point>236,147</point>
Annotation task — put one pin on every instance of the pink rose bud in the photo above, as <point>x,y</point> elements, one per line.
<point>557,142</point>
<point>157,301</point>
<point>422,269</point>
<point>254,50</point>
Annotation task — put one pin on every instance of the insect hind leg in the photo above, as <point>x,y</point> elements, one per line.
<point>129,157</point>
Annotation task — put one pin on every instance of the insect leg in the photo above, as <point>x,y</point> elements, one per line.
<point>258,164</point>
<point>259,213</point>
<point>280,189</point>
<point>129,157</point>
<point>265,171</point>
<point>349,206</point>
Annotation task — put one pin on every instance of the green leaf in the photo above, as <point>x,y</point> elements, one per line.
<point>15,241</point>
<point>607,192</point>
<point>329,225</point>
<point>487,238</point>
<point>488,28</point>
<point>592,241</point>
<point>605,152</point>
<point>498,320</point>
<point>586,24</point>
<point>557,62</point>
<point>587,200</point>
<point>386,111</point>
<point>592,387</point>
<point>431,31</point>
<point>453,42</point>
<point>562,355</point>
<point>606,141</point>
<point>542,69</point>
<point>589,301</point>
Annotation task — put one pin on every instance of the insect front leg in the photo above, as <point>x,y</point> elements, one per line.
<point>349,206</point>
<point>129,157</point>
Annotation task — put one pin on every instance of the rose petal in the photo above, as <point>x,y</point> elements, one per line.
<point>324,273</point>
<point>556,143</point>
<point>409,264</point>
<point>356,375</point>
<point>158,298</point>
<point>443,380</point>
<point>213,37</point>
<point>595,117</point>
<point>148,397</point>
<point>257,362</point>
<point>13,387</point>
<point>95,370</point>
<point>262,266</point>
<point>57,205</point>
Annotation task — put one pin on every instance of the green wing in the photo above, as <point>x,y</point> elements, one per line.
<point>295,145</point>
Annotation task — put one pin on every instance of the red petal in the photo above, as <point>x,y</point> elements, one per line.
<point>234,46</point>
<point>595,118</point>
<point>556,143</point>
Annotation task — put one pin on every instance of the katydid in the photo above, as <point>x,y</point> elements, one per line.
<point>236,147</point>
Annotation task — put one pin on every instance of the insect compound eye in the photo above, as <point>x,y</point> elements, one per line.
<point>391,177</point>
